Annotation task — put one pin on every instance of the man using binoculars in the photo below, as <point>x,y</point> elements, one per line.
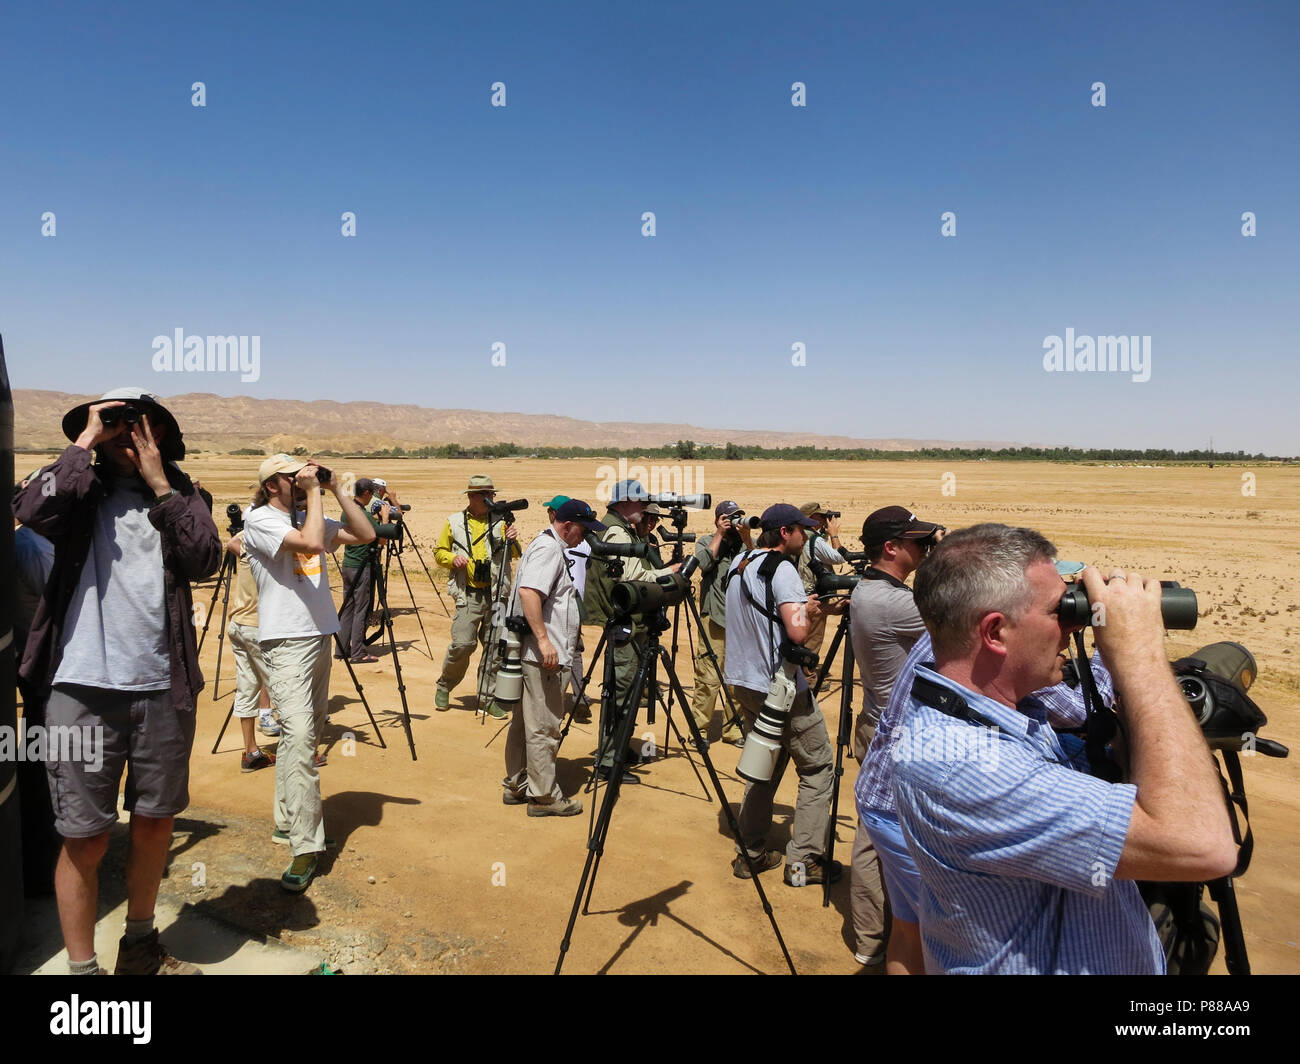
<point>768,611</point>
<point>475,545</point>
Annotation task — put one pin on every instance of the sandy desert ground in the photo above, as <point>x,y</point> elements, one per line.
<point>462,883</point>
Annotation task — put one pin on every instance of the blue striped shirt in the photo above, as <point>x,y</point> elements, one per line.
<point>1017,851</point>
<point>1065,705</point>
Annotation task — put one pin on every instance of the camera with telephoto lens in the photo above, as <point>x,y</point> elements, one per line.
<point>510,677</point>
<point>236,518</point>
<point>644,596</point>
<point>763,743</point>
<point>1177,606</point>
<point>677,537</point>
<point>127,415</point>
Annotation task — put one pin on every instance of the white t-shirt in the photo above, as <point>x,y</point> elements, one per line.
<point>293,590</point>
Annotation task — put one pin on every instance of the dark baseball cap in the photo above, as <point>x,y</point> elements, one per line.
<point>783,515</point>
<point>727,508</point>
<point>579,511</point>
<point>894,522</point>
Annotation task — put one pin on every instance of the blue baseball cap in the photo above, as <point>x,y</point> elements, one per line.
<point>783,515</point>
<point>579,511</point>
<point>628,491</point>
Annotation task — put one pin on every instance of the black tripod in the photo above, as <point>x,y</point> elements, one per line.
<point>486,662</point>
<point>225,576</point>
<point>843,734</point>
<point>393,549</point>
<point>410,542</point>
<point>649,655</point>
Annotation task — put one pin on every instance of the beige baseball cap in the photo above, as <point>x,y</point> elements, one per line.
<point>278,463</point>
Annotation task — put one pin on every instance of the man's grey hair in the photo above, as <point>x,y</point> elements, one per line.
<point>973,572</point>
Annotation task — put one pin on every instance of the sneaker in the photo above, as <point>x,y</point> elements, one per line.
<point>283,837</point>
<point>365,659</point>
<point>441,699</point>
<point>299,873</point>
<point>769,860</point>
<point>702,745</point>
<point>257,759</point>
<point>628,778</point>
<point>811,871</point>
<point>267,726</point>
<point>557,807</point>
<point>149,957</point>
<point>581,714</point>
<point>496,710</point>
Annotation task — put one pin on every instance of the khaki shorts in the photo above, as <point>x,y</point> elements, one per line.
<point>140,731</point>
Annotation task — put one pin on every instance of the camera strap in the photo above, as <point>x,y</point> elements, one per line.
<point>945,700</point>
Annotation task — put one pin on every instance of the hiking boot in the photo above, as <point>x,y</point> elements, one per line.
<point>496,710</point>
<point>267,726</point>
<point>441,699</point>
<point>257,759</point>
<point>627,778</point>
<point>769,860</point>
<point>299,873</point>
<point>283,837</point>
<point>149,957</point>
<point>509,797</point>
<point>811,871</point>
<point>558,807</point>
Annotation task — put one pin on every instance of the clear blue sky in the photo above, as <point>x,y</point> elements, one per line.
<point>775,224</point>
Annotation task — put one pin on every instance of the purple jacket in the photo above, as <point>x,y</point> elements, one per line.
<point>191,550</point>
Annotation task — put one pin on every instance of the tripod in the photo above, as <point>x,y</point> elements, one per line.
<point>410,542</point>
<point>225,575</point>
<point>843,734</point>
<point>650,653</point>
<point>485,661</point>
<point>393,549</point>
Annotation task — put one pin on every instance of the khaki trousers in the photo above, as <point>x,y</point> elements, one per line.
<point>867,901</point>
<point>534,736</point>
<point>705,693</point>
<point>299,679</point>
<point>472,624</point>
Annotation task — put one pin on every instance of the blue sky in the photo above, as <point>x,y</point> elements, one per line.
<point>775,224</point>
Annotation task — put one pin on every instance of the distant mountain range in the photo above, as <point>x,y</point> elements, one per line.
<point>223,423</point>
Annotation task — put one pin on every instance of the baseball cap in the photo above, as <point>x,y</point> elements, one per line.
<point>278,463</point>
<point>784,515</point>
<point>727,508</point>
<point>627,491</point>
<point>579,511</point>
<point>555,503</point>
<point>173,445</point>
<point>652,508</point>
<point>377,483</point>
<point>894,522</point>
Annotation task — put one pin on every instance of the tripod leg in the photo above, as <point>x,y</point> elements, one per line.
<point>687,751</point>
<point>346,653</point>
<point>1234,941</point>
<point>843,736</point>
<point>830,657</point>
<point>734,825</point>
<point>397,665</point>
<point>221,632</point>
<point>416,547</point>
<point>227,564</point>
<point>224,725</point>
<point>402,569</point>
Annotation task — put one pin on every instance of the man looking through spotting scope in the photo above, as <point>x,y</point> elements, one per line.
<point>545,600</point>
<point>358,573</point>
<point>476,546</point>
<point>823,547</point>
<point>768,616</point>
<point>626,510</point>
<point>715,553</point>
<point>884,625</point>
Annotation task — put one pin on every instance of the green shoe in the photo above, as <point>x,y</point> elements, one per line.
<point>299,873</point>
<point>441,699</point>
<point>496,710</point>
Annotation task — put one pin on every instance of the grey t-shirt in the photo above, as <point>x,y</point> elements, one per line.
<point>114,632</point>
<point>753,640</point>
<point>884,624</point>
<point>543,568</point>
